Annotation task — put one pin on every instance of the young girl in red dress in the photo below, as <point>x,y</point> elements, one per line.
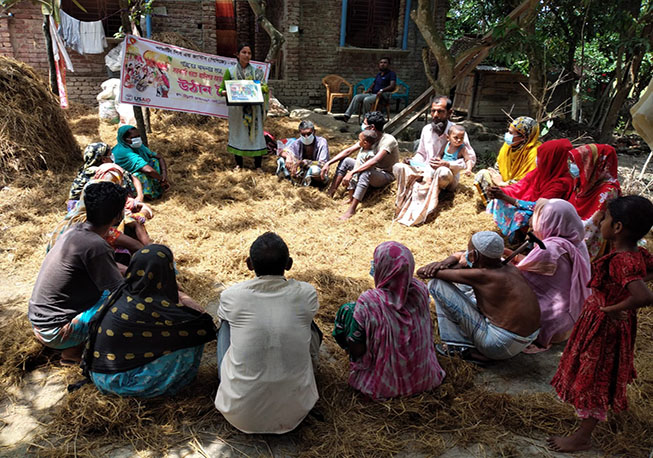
<point>597,363</point>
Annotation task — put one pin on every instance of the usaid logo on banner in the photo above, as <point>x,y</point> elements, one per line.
<point>131,98</point>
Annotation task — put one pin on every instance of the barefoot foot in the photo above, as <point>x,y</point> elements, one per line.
<point>569,444</point>
<point>346,215</point>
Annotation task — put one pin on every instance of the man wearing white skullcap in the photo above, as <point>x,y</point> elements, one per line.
<point>486,310</point>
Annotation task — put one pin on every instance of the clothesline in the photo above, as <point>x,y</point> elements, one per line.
<point>105,17</point>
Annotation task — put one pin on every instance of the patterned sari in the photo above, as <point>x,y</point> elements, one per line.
<point>143,341</point>
<point>394,322</point>
<point>595,187</point>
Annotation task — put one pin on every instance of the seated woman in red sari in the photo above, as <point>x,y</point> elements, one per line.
<point>594,169</point>
<point>513,205</point>
<point>388,332</point>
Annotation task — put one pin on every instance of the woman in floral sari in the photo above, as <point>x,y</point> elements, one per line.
<point>245,122</point>
<point>594,168</point>
<point>388,332</point>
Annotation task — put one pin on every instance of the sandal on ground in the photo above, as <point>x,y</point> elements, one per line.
<point>464,353</point>
<point>65,362</point>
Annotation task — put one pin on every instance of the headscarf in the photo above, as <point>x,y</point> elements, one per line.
<point>92,155</point>
<point>393,273</point>
<point>598,181</point>
<point>515,162</point>
<point>144,319</point>
<point>558,225</point>
<point>550,179</point>
<point>400,359</point>
<point>132,160</point>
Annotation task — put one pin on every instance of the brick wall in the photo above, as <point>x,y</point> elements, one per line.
<point>307,56</point>
<point>194,19</point>
<point>21,37</point>
<point>314,52</point>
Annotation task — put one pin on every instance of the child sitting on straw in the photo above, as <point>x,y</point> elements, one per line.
<point>366,140</point>
<point>597,364</point>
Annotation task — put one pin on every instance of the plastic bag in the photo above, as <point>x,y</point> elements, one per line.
<point>113,59</point>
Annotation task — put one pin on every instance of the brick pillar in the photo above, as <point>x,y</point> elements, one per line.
<point>292,44</point>
<point>6,46</point>
<point>243,21</point>
<point>208,27</point>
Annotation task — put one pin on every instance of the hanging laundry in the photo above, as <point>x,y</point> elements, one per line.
<point>69,31</point>
<point>84,37</point>
<point>92,35</point>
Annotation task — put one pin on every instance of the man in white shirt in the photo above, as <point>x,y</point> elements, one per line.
<point>431,141</point>
<point>266,341</point>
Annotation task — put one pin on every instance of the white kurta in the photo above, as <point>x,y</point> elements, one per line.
<point>267,383</point>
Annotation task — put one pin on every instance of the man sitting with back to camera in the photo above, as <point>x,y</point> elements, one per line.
<point>78,274</point>
<point>267,344</point>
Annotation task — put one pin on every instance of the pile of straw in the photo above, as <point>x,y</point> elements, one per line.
<point>34,133</point>
<point>209,219</point>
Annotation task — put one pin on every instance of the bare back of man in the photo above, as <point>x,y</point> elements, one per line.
<point>504,297</point>
<point>502,294</point>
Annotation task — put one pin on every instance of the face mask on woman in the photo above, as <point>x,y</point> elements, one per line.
<point>574,170</point>
<point>308,139</point>
<point>364,126</point>
<point>137,142</point>
<point>508,137</point>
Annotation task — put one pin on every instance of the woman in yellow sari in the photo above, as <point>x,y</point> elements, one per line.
<point>516,158</point>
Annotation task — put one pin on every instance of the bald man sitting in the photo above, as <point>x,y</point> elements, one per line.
<point>486,310</point>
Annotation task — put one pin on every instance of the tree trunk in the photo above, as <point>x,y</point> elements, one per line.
<point>54,87</point>
<point>127,26</point>
<point>536,75</point>
<point>626,73</point>
<point>276,38</point>
<point>425,22</point>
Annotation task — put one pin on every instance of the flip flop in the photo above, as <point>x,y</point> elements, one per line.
<point>464,353</point>
<point>69,362</point>
<point>451,351</point>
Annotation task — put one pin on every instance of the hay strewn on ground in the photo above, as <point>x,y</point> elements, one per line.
<point>33,130</point>
<point>209,220</point>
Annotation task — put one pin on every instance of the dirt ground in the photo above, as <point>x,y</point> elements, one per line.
<point>209,219</point>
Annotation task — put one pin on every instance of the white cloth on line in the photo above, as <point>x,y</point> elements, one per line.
<point>84,37</point>
<point>92,36</point>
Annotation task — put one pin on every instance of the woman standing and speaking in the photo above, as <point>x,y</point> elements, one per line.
<point>245,122</point>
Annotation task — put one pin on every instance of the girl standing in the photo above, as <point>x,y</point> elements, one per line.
<point>245,122</point>
<point>597,363</point>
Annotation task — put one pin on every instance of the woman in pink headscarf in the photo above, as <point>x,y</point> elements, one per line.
<point>388,332</point>
<point>558,275</point>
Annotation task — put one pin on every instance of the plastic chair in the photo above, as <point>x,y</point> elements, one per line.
<point>334,84</point>
<point>401,93</point>
<point>365,84</point>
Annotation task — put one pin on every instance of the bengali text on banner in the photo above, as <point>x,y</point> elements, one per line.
<point>160,75</point>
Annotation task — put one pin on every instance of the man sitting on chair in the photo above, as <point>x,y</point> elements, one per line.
<point>384,84</point>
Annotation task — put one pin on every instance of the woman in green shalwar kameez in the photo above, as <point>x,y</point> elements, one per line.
<point>246,122</point>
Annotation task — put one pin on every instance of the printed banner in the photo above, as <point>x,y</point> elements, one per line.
<point>164,76</point>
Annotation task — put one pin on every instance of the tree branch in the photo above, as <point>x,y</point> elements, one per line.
<point>276,38</point>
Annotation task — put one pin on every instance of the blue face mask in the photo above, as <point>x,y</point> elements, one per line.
<point>364,126</point>
<point>507,137</point>
<point>573,170</point>
<point>137,142</point>
<point>469,263</point>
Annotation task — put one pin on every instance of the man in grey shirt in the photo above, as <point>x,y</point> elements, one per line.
<point>77,274</point>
